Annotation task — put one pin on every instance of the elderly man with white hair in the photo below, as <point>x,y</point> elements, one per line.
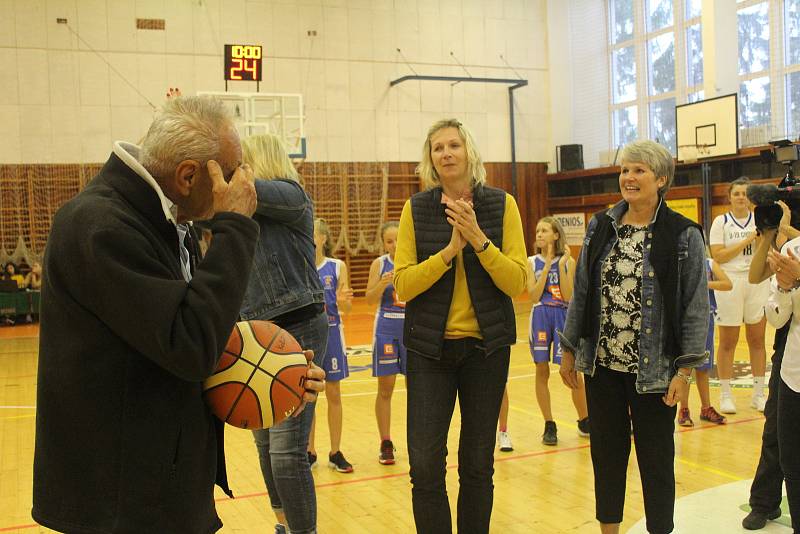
<point>133,323</point>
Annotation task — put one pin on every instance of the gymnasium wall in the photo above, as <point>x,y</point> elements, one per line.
<point>62,103</point>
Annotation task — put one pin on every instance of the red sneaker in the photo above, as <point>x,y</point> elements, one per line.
<point>684,419</point>
<point>712,416</point>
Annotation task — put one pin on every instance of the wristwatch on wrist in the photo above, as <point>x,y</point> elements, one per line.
<point>686,378</point>
<point>484,247</point>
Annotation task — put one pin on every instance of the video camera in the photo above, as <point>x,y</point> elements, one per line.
<point>767,213</point>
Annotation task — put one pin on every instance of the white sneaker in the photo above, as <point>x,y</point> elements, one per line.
<point>505,442</point>
<point>726,405</point>
<point>759,402</point>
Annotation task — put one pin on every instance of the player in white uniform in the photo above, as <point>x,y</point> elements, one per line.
<point>732,239</point>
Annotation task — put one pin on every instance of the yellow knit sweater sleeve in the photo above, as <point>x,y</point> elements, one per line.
<point>412,278</point>
<point>509,267</point>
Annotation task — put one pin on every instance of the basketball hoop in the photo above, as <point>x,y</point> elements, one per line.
<point>688,153</point>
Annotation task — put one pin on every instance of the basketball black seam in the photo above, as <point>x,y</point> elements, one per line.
<point>256,367</point>
<point>284,384</point>
<point>238,357</point>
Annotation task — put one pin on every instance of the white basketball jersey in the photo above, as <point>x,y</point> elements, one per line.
<point>727,230</point>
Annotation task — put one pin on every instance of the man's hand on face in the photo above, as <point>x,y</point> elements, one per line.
<point>238,195</point>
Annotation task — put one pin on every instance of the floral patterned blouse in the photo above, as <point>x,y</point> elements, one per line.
<point>621,301</point>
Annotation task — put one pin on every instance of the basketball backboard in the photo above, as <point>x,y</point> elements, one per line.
<point>707,128</point>
<point>276,113</point>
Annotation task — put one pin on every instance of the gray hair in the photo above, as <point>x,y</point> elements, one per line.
<point>475,167</point>
<point>188,127</point>
<point>655,156</point>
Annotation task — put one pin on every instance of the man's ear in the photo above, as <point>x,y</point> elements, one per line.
<point>186,175</point>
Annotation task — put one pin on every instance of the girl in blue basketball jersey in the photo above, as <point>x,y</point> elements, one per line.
<point>550,289</point>
<point>338,297</point>
<point>717,281</point>
<point>388,351</point>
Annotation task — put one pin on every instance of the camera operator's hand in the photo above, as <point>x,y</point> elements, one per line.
<point>785,267</point>
<point>785,228</point>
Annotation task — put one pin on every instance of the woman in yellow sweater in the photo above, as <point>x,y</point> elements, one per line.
<point>460,258</point>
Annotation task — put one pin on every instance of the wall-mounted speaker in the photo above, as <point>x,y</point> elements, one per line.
<point>569,157</point>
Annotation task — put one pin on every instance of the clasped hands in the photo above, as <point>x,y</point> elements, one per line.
<point>461,217</point>
<point>786,268</point>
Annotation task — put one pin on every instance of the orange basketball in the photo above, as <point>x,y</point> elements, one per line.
<point>260,376</point>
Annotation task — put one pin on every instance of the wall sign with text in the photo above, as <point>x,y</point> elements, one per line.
<point>243,62</point>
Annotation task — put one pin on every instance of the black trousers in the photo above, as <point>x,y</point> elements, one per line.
<point>613,402</point>
<point>767,487</point>
<point>789,441</point>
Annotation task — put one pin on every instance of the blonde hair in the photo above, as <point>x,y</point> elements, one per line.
<point>321,226</point>
<point>475,168</point>
<point>188,127</point>
<point>556,226</point>
<point>267,156</point>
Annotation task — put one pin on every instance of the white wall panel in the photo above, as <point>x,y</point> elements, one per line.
<point>343,72</point>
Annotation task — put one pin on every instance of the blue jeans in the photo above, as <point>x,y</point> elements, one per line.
<point>282,448</point>
<point>479,381</point>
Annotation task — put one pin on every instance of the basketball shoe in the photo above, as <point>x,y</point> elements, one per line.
<point>726,404</point>
<point>583,427</point>
<point>712,416</point>
<point>550,436</point>
<point>758,402</point>
<point>684,418</point>
<point>386,457</point>
<point>337,461</point>
<point>505,442</point>
<point>312,460</point>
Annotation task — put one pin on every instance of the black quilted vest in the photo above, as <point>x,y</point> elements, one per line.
<point>426,314</point>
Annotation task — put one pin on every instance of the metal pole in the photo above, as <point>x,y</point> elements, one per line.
<point>705,173</point>
<point>513,143</point>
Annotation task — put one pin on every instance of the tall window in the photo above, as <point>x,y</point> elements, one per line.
<point>791,16</point>
<point>656,62</point>
<point>625,110</point>
<point>755,105</point>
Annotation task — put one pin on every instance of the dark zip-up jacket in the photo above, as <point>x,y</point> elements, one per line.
<point>124,441</point>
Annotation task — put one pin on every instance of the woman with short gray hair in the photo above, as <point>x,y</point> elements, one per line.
<point>635,327</point>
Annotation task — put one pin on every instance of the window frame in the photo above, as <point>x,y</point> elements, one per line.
<point>640,40</point>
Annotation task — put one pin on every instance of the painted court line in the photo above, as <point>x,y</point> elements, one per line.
<point>454,466</point>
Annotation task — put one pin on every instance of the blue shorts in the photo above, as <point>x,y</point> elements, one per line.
<point>545,320</point>
<point>388,356</point>
<point>709,363</point>
<point>335,363</point>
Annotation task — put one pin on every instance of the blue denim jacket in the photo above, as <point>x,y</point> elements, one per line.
<point>284,276</point>
<point>655,372</point>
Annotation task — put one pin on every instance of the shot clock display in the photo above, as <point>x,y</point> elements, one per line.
<point>243,62</point>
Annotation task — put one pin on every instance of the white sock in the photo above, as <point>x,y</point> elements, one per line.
<point>758,386</point>
<point>725,387</point>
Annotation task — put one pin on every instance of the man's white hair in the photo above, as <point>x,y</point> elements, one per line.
<point>188,127</point>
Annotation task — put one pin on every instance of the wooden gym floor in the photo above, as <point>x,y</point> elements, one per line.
<point>538,489</point>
